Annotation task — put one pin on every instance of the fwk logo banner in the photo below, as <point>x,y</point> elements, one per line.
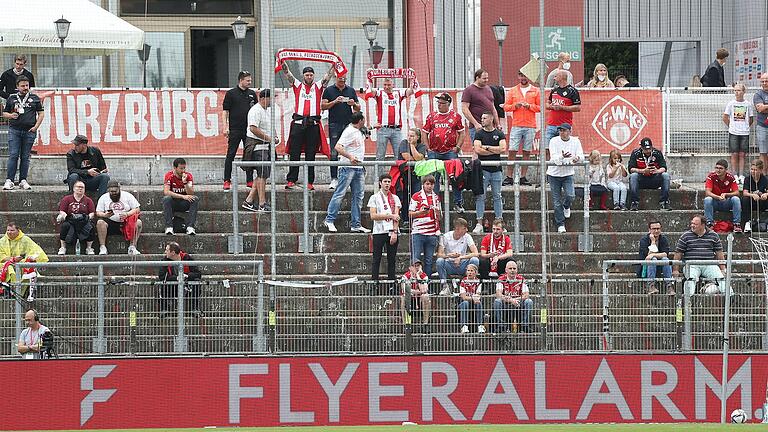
<point>619,122</point>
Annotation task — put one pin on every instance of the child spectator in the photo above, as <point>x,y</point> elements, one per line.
<point>597,188</point>
<point>738,116</point>
<point>615,175</point>
<point>469,293</point>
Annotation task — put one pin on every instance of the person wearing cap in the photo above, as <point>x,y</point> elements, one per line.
<point>237,102</point>
<point>118,214</point>
<point>648,170</point>
<point>260,142</point>
<point>416,280</point>
<point>563,101</point>
<point>341,101</point>
<point>564,151</point>
<point>86,164</point>
<point>443,134</point>
<point>721,192</point>
<point>24,112</point>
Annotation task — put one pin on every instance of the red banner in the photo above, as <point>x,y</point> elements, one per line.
<point>179,392</point>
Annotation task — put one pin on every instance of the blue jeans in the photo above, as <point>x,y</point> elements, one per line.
<point>551,132</point>
<point>446,266</point>
<point>666,269</point>
<point>464,307</point>
<point>384,135</point>
<point>348,177</point>
<point>494,178</point>
<point>562,194</point>
<point>449,155</point>
<point>426,244</point>
<point>334,133</point>
<point>522,312</point>
<point>732,204</point>
<point>637,182</point>
<point>98,183</point>
<point>19,146</point>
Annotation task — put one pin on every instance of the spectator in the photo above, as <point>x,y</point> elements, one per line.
<point>351,149</point>
<point>616,172</point>
<point>389,119</point>
<point>648,170</point>
<point>424,211</point>
<point>179,196</point>
<point>169,281</point>
<point>260,146</point>
<point>385,214</point>
<point>754,200</point>
<point>722,194</point>
<point>600,78</point>
<point>714,76</point>
<point>237,102</point>
<point>416,280</point>
<point>563,65</point>
<point>654,248</point>
<point>443,133</point>
<point>24,112</point>
<point>9,77</point>
<point>76,213</point>
<point>341,101</point>
<point>512,300</point>
<point>118,214</point>
<point>695,82</point>
<point>565,151</point>
<point>455,252</point>
<point>470,289</point>
<point>476,100</point>
<point>495,251</point>
<point>489,144</point>
<point>523,102</point>
<point>700,243</point>
<point>411,149</point>
<point>597,186</point>
<point>760,100</point>
<point>738,116</point>
<point>563,101</point>
<point>621,81</point>
<point>15,246</point>
<point>86,164</point>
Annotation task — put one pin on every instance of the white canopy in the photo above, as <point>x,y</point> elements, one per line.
<point>28,27</point>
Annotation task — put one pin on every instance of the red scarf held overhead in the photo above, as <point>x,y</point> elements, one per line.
<point>310,55</point>
<point>408,73</point>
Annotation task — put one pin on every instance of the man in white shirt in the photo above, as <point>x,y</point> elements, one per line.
<point>258,147</point>
<point>455,252</point>
<point>351,149</point>
<point>118,211</point>
<point>565,151</point>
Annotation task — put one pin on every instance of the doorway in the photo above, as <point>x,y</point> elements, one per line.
<point>215,57</point>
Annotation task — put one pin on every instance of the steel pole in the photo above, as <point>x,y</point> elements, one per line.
<point>61,57</point>
<point>543,179</point>
<point>239,55</point>
<point>501,68</point>
<point>726,330</point>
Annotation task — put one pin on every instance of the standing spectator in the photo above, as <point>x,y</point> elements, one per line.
<point>700,243</point>
<point>616,173</point>
<point>738,116</point>
<point>237,102</point>
<point>563,101</point>
<point>476,100</point>
<point>351,150</point>
<point>118,214</point>
<point>416,280</point>
<point>598,191</point>
<point>389,119</point>
<point>30,339</point>
<point>305,131</point>
<point>168,276</point>
<point>455,252</point>
<point>523,102</point>
<point>648,170</point>
<point>754,200</point>
<point>384,206</point>
<point>489,144</point>
<point>495,251</point>
<point>760,100</point>
<point>654,248</point>
<point>714,76</point>
<point>470,289</point>
<point>565,151</point>
<point>341,101</point>
<point>9,77</point>
<point>411,149</point>
<point>260,143</point>
<point>425,214</point>
<point>443,133</point>
<point>563,65</point>
<point>76,213</point>
<point>86,164</point>
<point>25,113</point>
<point>600,78</point>
<point>179,196</point>
<point>722,194</point>
<point>512,298</point>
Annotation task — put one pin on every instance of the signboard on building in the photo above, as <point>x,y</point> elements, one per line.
<point>557,40</point>
<point>749,61</point>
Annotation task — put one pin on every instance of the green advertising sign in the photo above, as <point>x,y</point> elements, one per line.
<point>557,40</point>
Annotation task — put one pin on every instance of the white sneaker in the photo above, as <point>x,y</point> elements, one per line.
<point>360,229</point>
<point>90,251</point>
<point>191,231</point>
<point>481,328</point>
<point>24,185</point>
<point>748,227</point>
<point>62,251</point>
<point>446,291</point>
<point>567,212</point>
<point>478,229</point>
<point>169,231</point>
<point>330,226</point>
<point>334,184</point>
<point>561,229</point>
<point>8,184</point>
<point>103,250</point>
<point>493,274</point>
<point>133,251</point>
<point>464,329</point>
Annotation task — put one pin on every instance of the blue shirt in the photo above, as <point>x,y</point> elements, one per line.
<point>340,113</point>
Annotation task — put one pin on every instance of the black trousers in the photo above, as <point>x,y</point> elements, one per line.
<point>233,143</point>
<point>303,140</point>
<point>169,295</point>
<point>485,267</point>
<point>380,242</point>
<point>751,209</point>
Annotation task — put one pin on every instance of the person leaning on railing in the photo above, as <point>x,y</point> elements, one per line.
<point>168,276</point>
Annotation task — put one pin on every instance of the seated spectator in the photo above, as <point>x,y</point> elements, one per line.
<point>169,278</point>
<point>86,164</point>
<point>564,152</point>
<point>615,175</point>
<point>738,116</point>
<point>700,243</point>
<point>489,144</point>
<point>416,280</point>
<point>512,300</point>
<point>495,251</point>
<point>470,289</point>
<point>654,247</point>
<point>648,170</point>
<point>722,194</point>
<point>600,78</point>
<point>411,149</point>
<point>598,192</point>
<point>754,199</point>
<point>622,81</point>
<point>118,214</point>
<point>76,213</point>
<point>179,196</point>
<point>385,214</point>
<point>455,252</point>
<point>15,247</point>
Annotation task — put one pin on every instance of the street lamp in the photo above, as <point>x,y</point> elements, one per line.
<point>371,27</point>
<point>62,31</point>
<point>377,52</point>
<point>500,32</point>
<point>144,56</point>
<point>239,28</point>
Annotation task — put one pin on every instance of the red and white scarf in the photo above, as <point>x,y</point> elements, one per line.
<point>409,73</point>
<point>310,55</point>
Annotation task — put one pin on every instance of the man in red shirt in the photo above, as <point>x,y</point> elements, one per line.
<point>512,298</point>
<point>443,134</point>
<point>563,101</point>
<point>722,194</point>
<point>495,251</point>
<point>179,196</point>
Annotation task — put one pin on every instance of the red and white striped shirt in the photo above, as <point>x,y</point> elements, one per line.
<point>470,286</point>
<point>388,107</point>
<point>514,287</point>
<point>307,98</point>
<point>428,224</point>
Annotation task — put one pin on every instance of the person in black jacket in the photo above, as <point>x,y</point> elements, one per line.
<point>654,248</point>
<point>648,170</point>
<point>714,76</point>
<point>168,277</point>
<point>8,78</point>
<point>85,163</point>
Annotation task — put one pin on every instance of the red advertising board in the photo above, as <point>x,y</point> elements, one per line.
<point>273,391</point>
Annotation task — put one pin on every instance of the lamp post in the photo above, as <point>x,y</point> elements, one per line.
<point>371,27</point>
<point>62,31</point>
<point>239,28</point>
<point>144,56</point>
<point>500,33</point>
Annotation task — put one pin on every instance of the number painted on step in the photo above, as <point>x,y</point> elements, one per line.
<point>27,202</point>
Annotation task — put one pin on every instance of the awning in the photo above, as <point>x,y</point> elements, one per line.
<point>28,28</point>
